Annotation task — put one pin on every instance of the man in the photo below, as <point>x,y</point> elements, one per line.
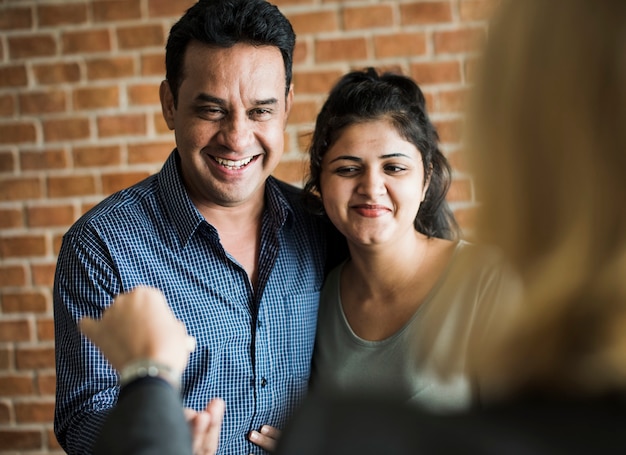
<point>235,253</point>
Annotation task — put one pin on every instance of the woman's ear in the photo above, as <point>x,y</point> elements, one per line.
<point>427,182</point>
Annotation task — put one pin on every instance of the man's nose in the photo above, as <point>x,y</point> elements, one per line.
<point>236,132</point>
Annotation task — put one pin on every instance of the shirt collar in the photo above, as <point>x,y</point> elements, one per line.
<point>186,218</point>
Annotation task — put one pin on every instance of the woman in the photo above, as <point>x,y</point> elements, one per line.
<point>382,181</point>
<point>547,147</point>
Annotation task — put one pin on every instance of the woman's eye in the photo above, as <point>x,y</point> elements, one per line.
<point>392,168</point>
<point>347,170</point>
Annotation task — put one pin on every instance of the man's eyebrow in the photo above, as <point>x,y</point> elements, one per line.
<point>266,102</point>
<point>206,98</point>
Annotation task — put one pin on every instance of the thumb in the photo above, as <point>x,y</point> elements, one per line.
<point>90,328</point>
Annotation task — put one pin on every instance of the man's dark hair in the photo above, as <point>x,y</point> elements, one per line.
<point>224,23</point>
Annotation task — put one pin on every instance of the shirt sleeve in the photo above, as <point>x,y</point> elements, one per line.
<point>85,283</point>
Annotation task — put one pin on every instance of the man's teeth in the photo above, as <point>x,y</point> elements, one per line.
<point>230,164</point>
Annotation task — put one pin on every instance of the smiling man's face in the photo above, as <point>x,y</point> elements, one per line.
<point>229,121</point>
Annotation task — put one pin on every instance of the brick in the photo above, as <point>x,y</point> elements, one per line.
<point>89,98</point>
<point>425,13</point>
<point>367,17</point>
<point>159,125</point>
<point>452,100</point>
<point>13,330</point>
<point>6,358</point>
<point>58,239</point>
<point>7,105</point>
<point>471,10</point>
<point>97,156</point>
<point>16,18</point>
<point>17,133</point>
<point>120,180</point>
<point>153,64</point>
<point>314,22</point>
<point>86,41</point>
<point>458,41</point>
<point>53,444</point>
<point>49,215</point>
<point>150,152</point>
<point>19,188</point>
<point>5,413</point>
<point>57,73</point>
<point>121,125</point>
<point>143,94</point>
<point>340,50</point>
<point>304,112</point>
<point>458,161</point>
<point>71,185</point>
<point>34,412</point>
<point>140,36</point>
<point>436,72</point>
<point>24,302</point>
<point>13,76</point>
<point>291,171</point>
<point>12,275</point>
<point>36,103</point>
<point>304,140</point>
<point>116,10</point>
<point>110,68</point>
<point>11,218</point>
<point>7,162</point>
<point>65,129</point>
<point>460,191</point>
<point>315,82</point>
<point>43,159</point>
<point>45,329</point>
<point>449,131</point>
<point>15,439</point>
<point>301,52</point>
<point>61,14</point>
<point>34,358</point>
<point>40,45</point>
<point>22,246</point>
<point>161,8</point>
<point>400,45</point>
<point>15,385</point>
<point>43,274</point>
<point>46,383</point>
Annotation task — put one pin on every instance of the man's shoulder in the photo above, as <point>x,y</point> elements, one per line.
<point>132,202</point>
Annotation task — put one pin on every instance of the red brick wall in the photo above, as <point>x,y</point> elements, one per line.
<point>80,118</point>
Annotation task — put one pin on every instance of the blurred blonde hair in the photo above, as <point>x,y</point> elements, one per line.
<point>547,147</point>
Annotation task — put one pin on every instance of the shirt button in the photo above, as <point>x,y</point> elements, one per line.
<point>263,382</point>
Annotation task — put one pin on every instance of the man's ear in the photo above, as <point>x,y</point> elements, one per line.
<point>288,104</point>
<point>168,107</point>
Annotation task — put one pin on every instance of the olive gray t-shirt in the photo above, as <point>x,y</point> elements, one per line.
<point>401,365</point>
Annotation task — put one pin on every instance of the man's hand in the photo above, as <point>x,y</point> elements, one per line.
<point>206,426</point>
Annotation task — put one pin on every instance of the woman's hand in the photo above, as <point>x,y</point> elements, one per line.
<point>266,438</point>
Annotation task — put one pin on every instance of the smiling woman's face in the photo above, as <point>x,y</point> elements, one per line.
<point>372,183</point>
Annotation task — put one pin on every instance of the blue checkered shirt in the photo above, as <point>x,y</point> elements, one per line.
<point>254,346</point>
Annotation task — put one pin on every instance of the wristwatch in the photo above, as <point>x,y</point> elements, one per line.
<point>148,367</point>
